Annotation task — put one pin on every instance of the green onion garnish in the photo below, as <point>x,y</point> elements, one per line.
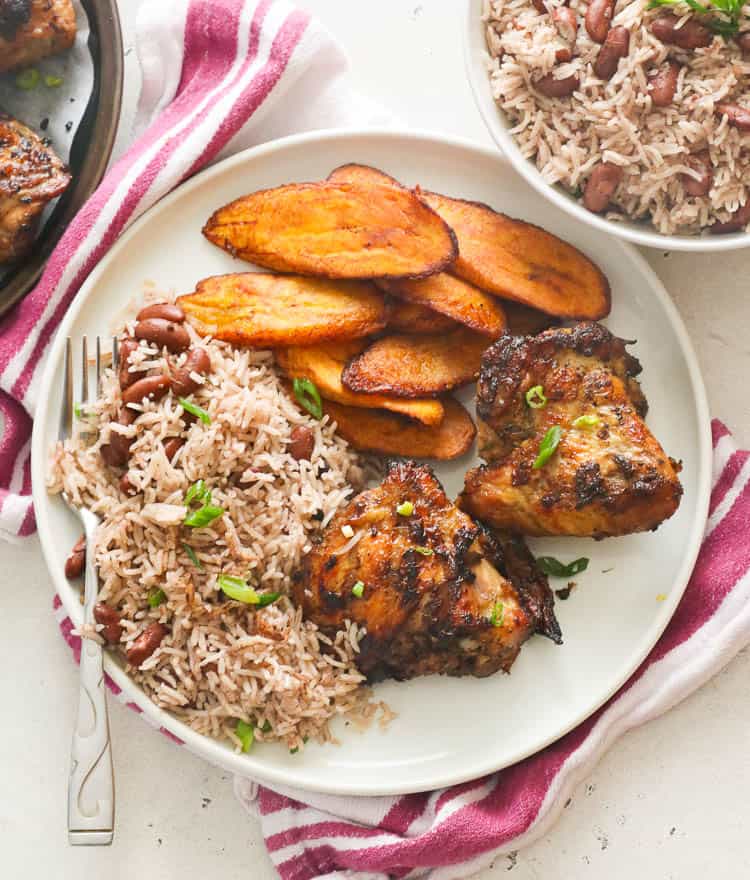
<point>197,492</point>
<point>156,597</point>
<point>294,750</point>
<point>535,397</point>
<point>498,612</point>
<point>358,589</point>
<point>28,79</point>
<point>308,397</point>
<point>585,422</point>
<point>237,589</point>
<point>53,82</point>
<point>425,551</point>
<point>551,566</point>
<point>194,410</point>
<point>406,508</point>
<point>203,516</point>
<point>245,734</point>
<point>266,726</point>
<point>191,555</point>
<point>548,446</point>
<point>266,599</point>
<point>77,411</point>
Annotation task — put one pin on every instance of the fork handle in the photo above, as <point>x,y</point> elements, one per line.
<point>91,801</point>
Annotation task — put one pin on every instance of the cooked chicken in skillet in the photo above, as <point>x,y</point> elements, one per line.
<point>33,29</point>
<point>608,475</point>
<point>437,593</point>
<point>30,176</point>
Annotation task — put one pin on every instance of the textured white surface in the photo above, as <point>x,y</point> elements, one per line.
<point>668,801</point>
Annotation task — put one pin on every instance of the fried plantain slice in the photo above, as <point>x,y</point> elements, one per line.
<point>324,364</point>
<point>516,260</point>
<point>263,310</point>
<point>406,317</point>
<point>337,230</point>
<point>417,366</point>
<point>385,433</point>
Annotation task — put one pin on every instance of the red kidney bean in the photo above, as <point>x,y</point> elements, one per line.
<point>168,311</point>
<point>110,620</point>
<point>566,22</point>
<point>539,6</point>
<point>743,41</point>
<point>125,376</point>
<point>77,560</point>
<point>700,162</point>
<point>197,361</point>
<point>737,222</point>
<point>146,643</point>
<point>556,88</point>
<point>663,84</point>
<point>600,187</point>
<point>151,387</point>
<point>126,487</point>
<point>563,55</point>
<point>116,452</point>
<point>172,446</point>
<point>165,334</point>
<point>616,46</point>
<point>690,35</point>
<point>739,117</point>
<point>302,443</point>
<point>598,18</point>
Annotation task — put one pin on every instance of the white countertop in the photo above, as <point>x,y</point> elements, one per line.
<point>669,800</point>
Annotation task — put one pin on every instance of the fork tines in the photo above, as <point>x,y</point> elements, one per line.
<point>68,408</point>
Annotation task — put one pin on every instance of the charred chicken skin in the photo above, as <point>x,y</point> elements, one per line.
<point>30,176</point>
<point>435,590</point>
<point>34,29</point>
<point>608,475</point>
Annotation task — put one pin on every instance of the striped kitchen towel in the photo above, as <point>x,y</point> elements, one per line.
<point>218,76</point>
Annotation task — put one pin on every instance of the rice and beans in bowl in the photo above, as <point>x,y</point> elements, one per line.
<point>638,108</point>
<point>256,568</point>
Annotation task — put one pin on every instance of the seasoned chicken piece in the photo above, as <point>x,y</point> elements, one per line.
<point>436,592</point>
<point>608,475</point>
<point>33,29</point>
<point>30,176</point>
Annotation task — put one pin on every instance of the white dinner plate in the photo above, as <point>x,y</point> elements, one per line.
<point>447,730</point>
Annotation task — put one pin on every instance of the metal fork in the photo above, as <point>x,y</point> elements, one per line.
<point>91,800</point>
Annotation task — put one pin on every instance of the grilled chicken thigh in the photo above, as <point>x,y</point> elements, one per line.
<point>608,476</point>
<point>30,176</point>
<point>435,590</point>
<point>33,29</point>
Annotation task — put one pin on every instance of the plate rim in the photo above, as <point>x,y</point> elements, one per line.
<point>491,116</point>
<point>250,765</point>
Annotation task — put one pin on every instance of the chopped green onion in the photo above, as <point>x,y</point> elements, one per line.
<point>425,551</point>
<point>197,492</point>
<point>53,82</point>
<point>195,410</point>
<point>406,508</point>
<point>191,555</point>
<point>498,613</point>
<point>77,411</point>
<point>308,397</point>
<point>266,726</point>
<point>551,566</point>
<point>237,589</point>
<point>156,597</point>
<point>590,421</point>
<point>358,589</point>
<point>203,516</point>
<point>246,734</point>
<point>28,79</point>
<point>535,397</point>
<point>548,446</point>
<point>294,750</point>
<point>267,599</point>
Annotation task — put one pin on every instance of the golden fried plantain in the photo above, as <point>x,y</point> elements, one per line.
<point>406,317</point>
<point>523,320</point>
<point>324,364</point>
<point>337,230</point>
<point>270,310</point>
<point>374,430</point>
<point>510,258</point>
<point>417,366</point>
<point>516,260</point>
<point>454,298</point>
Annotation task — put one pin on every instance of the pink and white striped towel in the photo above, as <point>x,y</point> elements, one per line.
<point>215,73</point>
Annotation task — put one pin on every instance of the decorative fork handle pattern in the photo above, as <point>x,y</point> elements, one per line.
<point>91,787</point>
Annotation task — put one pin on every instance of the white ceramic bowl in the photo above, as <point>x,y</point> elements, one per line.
<point>643,233</point>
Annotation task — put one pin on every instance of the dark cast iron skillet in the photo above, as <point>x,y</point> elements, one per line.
<point>91,149</point>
